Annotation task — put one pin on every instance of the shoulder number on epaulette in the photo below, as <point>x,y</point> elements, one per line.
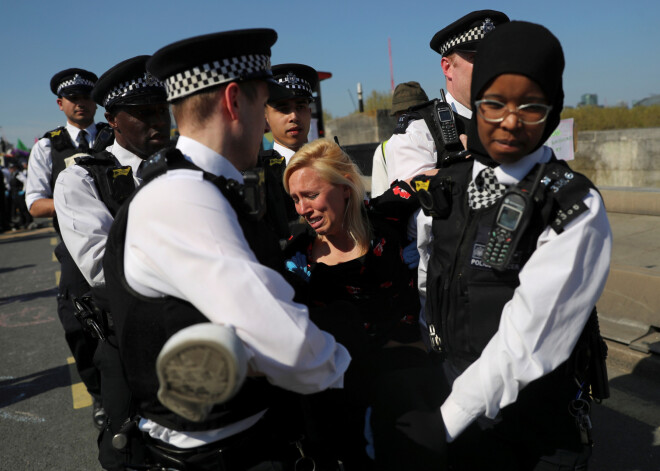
<point>567,191</point>
<point>404,121</point>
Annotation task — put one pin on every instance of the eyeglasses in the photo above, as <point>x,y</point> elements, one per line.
<point>494,111</point>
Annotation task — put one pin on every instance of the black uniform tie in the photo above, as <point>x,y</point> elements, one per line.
<point>83,143</point>
<point>484,190</point>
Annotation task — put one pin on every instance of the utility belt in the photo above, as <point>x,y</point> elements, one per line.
<point>242,451</point>
<point>95,321</point>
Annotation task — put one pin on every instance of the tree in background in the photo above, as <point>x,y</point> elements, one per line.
<point>378,101</point>
<point>593,118</point>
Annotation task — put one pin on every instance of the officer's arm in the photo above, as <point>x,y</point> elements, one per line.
<point>183,239</point>
<point>84,221</point>
<point>539,327</point>
<point>38,193</point>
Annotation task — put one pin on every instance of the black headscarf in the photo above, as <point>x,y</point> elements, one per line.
<point>521,48</point>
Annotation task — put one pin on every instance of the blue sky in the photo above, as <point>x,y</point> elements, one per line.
<point>611,48</point>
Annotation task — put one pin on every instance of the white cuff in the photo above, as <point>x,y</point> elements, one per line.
<point>455,419</point>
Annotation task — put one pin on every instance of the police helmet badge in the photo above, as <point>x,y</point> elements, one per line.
<point>488,26</point>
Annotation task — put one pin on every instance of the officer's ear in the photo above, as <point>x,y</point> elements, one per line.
<point>446,64</point>
<point>59,103</point>
<point>111,119</point>
<point>230,102</point>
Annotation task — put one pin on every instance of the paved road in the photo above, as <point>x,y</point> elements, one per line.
<point>45,423</point>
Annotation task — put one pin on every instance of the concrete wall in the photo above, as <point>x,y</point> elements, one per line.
<point>625,158</point>
<point>360,128</point>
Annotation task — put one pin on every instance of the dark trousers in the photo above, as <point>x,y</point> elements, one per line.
<point>82,345</point>
<point>485,449</point>
<point>407,425</point>
<point>21,217</point>
<point>118,407</point>
<point>535,433</point>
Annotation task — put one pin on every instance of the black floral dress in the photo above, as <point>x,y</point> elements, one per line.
<point>379,286</point>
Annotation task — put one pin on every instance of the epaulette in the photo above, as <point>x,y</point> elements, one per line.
<point>404,120</point>
<point>53,133</point>
<point>568,189</point>
<point>560,192</point>
<point>270,158</point>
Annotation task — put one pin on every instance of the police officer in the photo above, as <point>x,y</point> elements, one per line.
<point>412,149</point>
<point>88,195</point>
<point>288,116</point>
<point>184,251</point>
<point>520,254</point>
<point>47,159</point>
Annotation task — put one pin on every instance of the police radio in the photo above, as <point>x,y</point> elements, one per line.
<point>513,216</point>
<point>444,118</point>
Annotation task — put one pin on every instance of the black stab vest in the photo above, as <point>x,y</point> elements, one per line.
<point>465,296</point>
<point>280,210</point>
<point>113,181</point>
<point>143,324</point>
<point>61,149</point>
<point>426,111</point>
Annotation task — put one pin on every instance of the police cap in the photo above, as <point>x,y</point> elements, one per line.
<point>465,33</point>
<point>195,64</point>
<point>129,83</point>
<point>71,82</point>
<point>295,81</point>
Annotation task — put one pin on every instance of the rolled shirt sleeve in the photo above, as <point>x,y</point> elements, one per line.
<point>39,172</point>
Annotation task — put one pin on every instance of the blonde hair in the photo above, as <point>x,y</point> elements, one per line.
<point>337,168</point>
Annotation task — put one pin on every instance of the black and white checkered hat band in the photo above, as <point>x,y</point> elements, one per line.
<point>475,34</point>
<point>124,89</point>
<point>77,81</point>
<point>218,72</point>
<point>295,83</point>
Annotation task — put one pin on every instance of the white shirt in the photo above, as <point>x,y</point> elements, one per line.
<point>540,325</point>
<point>380,183</point>
<point>83,218</point>
<point>183,239</point>
<point>284,151</point>
<point>40,165</point>
<point>414,152</point>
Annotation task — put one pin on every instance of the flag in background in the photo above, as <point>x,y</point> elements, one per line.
<point>20,145</point>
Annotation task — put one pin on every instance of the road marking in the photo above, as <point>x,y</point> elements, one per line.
<point>81,397</point>
<point>54,258</point>
<point>58,273</point>
<point>18,416</point>
<point>53,241</point>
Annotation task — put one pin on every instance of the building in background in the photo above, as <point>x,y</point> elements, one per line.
<point>589,99</point>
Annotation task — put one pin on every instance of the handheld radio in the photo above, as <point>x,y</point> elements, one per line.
<point>444,118</point>
<point>513,216</point>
